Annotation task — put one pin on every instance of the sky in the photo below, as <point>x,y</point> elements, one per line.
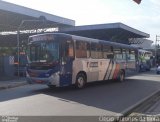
<point>144,17</point>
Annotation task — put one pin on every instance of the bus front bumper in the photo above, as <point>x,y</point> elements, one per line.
<point>54,79</point>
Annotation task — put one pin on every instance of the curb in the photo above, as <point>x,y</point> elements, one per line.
<point>138,104</point>
<point>7,86</point>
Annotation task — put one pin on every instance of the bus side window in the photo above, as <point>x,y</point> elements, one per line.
<point>132,55</point>
<point>128,55</point>
<point>117,53</point>
<point>93,50</point>
<point>99,51</point>
<point>124,56</point>
<point>107,52</point>
<point>96,51</point>
<point>82,49</point>
<point>68,50</point>
<point>88,50</point>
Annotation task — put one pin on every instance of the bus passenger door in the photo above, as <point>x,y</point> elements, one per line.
<point>67,57</point>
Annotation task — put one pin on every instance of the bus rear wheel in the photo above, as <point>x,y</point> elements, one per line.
<point>121,76</point>
<point>80,81</point>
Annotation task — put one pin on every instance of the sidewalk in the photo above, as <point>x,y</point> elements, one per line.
<point>8,83</point>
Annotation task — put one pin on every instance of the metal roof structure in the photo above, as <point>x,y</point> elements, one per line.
<point>16,18</point>
<point>13,15</point>
<point>11,40</point>
<point>141,43</point>
<point>117,32</point>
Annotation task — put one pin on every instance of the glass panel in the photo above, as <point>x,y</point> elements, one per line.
<point>124,56</point>
<point>107,52</point>
<point>67,51</point>
<point>128,55</point>
<point>82,49</point>
<point>96,51</point>
<point>118,53</point>
<point>93,50</point>
<point>44,52</point>
<point>132,55</point>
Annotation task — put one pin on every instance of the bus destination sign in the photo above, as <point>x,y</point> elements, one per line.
<point>43,38</point>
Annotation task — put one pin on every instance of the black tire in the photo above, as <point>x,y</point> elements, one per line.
<point>121,77</point>
<point>80,81</point>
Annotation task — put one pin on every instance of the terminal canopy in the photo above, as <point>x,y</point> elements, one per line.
<point>14,17</point>
<point>117,32</point>
<point>27,21</point>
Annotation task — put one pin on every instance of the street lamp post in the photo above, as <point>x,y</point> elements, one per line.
<point>18,46</point>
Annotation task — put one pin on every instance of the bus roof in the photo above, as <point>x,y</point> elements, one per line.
<point>74,37</point>
<point>115,44</point>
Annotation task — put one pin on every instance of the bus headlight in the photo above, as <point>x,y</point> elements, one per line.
<point>55,79</point>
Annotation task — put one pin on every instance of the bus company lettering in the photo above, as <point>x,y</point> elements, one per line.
<point>94,64</point>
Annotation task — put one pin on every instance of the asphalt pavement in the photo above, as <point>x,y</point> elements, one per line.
<point>99,98</point>
<point>11,83</point>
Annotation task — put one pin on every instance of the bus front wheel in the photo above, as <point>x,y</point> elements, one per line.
<point>80,81</point>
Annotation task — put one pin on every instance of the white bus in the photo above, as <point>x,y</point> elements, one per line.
<point>58,59</point>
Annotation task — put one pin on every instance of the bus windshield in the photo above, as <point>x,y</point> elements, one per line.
<point>44,51</point>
